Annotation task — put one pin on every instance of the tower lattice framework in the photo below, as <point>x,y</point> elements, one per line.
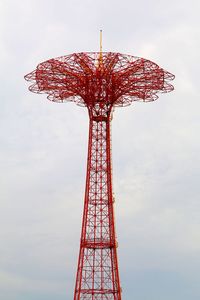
<point>100,81</point>
<point>97,274</point>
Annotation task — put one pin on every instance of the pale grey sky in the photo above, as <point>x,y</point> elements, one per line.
<point>44,148</point>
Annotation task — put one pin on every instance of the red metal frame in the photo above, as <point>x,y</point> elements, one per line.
<point>99,81</point>
<point>97,275</point>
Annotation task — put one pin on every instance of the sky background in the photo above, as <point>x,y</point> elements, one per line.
<point>43,151</point>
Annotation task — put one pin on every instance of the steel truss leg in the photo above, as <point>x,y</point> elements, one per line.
<point>97,274</point>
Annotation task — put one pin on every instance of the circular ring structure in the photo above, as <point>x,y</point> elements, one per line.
<point>88,78</point>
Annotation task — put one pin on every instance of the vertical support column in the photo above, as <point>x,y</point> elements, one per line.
<point>97,274</point>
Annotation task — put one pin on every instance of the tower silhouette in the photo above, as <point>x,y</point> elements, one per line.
<point>99,81</point>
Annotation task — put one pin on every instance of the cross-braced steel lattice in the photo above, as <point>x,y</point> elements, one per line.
<point>100,81</point>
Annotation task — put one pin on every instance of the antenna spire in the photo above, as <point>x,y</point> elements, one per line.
<point>100,52</point>
<point>100,41</point>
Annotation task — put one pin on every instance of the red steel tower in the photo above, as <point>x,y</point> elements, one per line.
<point>99,81</point>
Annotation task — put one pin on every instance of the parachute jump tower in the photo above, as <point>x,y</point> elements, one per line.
<point>99,81</point>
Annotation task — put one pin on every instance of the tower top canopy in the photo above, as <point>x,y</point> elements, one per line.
<point>88,78</point>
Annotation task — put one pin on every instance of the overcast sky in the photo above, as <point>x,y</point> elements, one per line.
<point>156,151</point>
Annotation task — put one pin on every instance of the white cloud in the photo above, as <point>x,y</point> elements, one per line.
<point>43,150</point>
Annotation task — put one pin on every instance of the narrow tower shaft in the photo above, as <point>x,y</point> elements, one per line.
<point>97,274</point>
